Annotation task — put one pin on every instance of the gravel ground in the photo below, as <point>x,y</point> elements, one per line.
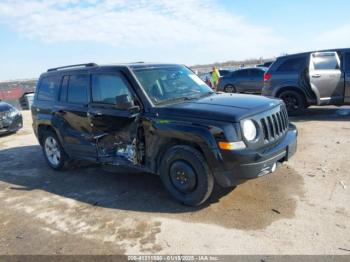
<point>303,208</point>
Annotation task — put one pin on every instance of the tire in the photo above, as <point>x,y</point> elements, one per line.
<point>186,175</point>
<point>295,102</point>
<point>230,89</point>
<point>53,151</point>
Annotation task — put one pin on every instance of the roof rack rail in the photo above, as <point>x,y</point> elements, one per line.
<point>70,66</point>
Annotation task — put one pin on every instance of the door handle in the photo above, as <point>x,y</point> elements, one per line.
<point>60,112</point>
<point>94,114</point>
<point>316,76</point>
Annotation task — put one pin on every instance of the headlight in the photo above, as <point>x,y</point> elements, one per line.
<point>249,130</point>
<point>12,113</point>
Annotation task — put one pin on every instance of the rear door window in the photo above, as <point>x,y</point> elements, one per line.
<point>78,87</point>
<point>292,65</point>
<point>64,89</point>
<point>325,61</point>
<point>48,88</point>
<point>106,88</point>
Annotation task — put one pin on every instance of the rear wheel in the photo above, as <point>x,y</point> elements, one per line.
<point>230,89</point>
<point>295,102</point>
<point>186,175</point>
<point>54,154</point>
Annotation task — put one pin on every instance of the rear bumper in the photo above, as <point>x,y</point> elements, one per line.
<point>13,125</point>
<point>248,164</point>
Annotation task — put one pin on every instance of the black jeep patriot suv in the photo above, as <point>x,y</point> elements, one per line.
<point>162,119</point>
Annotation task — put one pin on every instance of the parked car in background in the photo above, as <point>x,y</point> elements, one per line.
<point>206,77</point>
<point>10,118</point>
<point>162,119</point>
<point>26,101</point>
<point>248,80</point>
<point>312,78</point>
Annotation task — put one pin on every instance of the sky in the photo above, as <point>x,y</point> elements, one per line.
<point>38,34</point>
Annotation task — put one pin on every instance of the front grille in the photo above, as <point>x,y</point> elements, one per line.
<point>4,121</point>
<point>274,125</point>
<point>2,117</point>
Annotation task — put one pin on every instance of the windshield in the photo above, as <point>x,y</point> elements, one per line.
<point>171,84</point>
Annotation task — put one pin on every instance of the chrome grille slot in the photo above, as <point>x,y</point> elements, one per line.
<point>274,119</point>
<point>280,122</point>
<point>264,128</point>
<point>274,124</point>
<point>271,127</point>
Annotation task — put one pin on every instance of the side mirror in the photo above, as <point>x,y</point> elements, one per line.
<point>125,102</point>
<point>134,109</point>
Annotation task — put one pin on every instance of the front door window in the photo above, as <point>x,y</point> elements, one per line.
<point>114,126</point>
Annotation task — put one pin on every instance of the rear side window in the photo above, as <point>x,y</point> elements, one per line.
<point>347,62</point>
<point>78,86</point>
<point>48,88</point>
<point>292,64</point>
<point>325,61</point>
<point>106,88</point>
<point>241,73</point>
<point>224,72</point>
<point>256,73</point>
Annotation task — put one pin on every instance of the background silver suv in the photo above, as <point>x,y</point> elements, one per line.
<point>312,78</point>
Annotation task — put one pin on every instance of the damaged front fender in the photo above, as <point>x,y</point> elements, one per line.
<point>163,134</point>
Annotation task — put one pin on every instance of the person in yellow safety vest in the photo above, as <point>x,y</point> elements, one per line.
<point>215,75</point>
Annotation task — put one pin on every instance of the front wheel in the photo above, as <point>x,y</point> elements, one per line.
<point>294,101</point>
<point>186,175</point>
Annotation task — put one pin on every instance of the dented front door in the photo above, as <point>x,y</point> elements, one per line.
<point>114,127</point>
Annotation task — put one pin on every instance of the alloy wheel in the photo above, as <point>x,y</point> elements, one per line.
<point>52,151</point>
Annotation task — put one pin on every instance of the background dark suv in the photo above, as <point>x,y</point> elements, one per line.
<point>312,78</point>
<point>247,80</point>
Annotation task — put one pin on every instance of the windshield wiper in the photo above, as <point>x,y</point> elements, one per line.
<point>207,94</point>
<point>171,100</point>
<point>185,98</point>
<point>182,98</point>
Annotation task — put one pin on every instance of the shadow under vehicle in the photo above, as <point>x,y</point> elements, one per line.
<point>161,119</point>
<point>311,78</point>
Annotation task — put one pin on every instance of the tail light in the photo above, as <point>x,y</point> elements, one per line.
<point>267,77</point>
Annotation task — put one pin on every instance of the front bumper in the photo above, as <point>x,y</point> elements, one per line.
<point>11,125</point>
<point>239,166</point>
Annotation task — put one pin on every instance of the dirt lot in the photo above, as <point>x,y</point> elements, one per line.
<point>303,208</point>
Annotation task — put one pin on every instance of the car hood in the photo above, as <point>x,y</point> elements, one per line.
<point>222,107</point>
<point>4,107</point>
